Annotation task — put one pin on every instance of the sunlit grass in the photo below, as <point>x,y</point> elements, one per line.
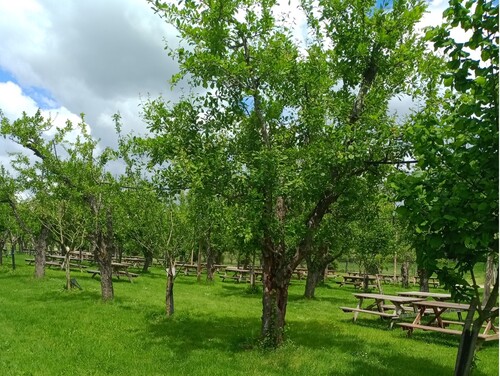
<point>46,330</point>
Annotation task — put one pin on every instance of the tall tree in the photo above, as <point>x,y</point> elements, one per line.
<point>282,127</point>
<point>451,197</point>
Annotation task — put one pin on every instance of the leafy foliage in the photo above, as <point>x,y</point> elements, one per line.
<point>451,197</point>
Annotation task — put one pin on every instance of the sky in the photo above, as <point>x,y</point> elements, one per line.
<point>97,57</point>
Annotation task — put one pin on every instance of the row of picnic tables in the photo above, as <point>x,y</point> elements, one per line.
<point>118,269</point>
<point>427,314</point>
<point>356,279</point>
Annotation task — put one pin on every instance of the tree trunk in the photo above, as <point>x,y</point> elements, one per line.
<point>13,257</point>
<point>210,259</point>
<point>103,246</point>
<point>169,298</point>
<point>468,342</point>
<point>314,277</point>
<point>104,258</point>
<point>276,279</point>
<point>68,272</point>
<point>107,291</point>
<point>405,280</point>
<point>3,240</point>
<point>40,248</point>
<point>148,261</point>
<point>395,269</point>
<point>489,277</point>
<point>423,280</point>
<point>198,269</point>
<point>317,265</point>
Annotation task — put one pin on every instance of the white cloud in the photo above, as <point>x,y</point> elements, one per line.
<point>96,57</point>
<point>13,102</point>
<point>91,56</point>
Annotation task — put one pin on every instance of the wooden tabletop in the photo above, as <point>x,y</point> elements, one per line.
<point>358,277</point>
<point>392,298</point>
<point>446,305</point>
<point>423,294</point>
<point>120,264</point>
<point>234,269</point>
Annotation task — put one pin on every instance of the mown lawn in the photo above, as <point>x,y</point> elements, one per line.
<point>45,330</point>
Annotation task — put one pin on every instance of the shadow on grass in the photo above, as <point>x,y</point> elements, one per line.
<point>388,363</point>
<point>184,334</point>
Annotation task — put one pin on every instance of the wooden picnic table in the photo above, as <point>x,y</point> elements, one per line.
<point>391,278</point>
<point>240,275</point>
<point>119,269</point>
<point>379,307</point>
<point>434,311</point>
<point>424,294</point>
<point>59,260</point>
<point>358,280</point>
<point>189,267</point>
<point>134,261</point>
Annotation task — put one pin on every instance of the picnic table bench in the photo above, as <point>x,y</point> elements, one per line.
<point>435,309</point>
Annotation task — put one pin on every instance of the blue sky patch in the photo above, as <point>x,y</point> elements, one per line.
<point>41,96</point>
<point>6,76</point>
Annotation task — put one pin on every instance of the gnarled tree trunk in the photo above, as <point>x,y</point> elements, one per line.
<point>276,280</point>
<point>103,250</point>
<point>423,280</point>
<point>489,277</point>
<point>40,248</point>
<point>103,258</point>
<point>148,261</point>
<point>405,280</point>
<point>316,267</point>
<point>169,298</point>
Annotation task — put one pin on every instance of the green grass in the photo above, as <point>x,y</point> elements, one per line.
<point>45,330</point>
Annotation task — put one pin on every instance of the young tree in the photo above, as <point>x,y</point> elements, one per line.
<point>77,170</point>
<point>283,127</point>
<point>451,197</point>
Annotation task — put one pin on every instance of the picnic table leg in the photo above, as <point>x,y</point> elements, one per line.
<point>416,321</point>
<point>129,276</point>
<point>489,326</point>
<point>360,303</point>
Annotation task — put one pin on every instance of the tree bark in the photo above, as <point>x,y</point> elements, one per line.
<point>405,280</point>
<point>148,261</point>
<point>210,259</point>
<point>316,268</point>
<point>67,269</point>
<point>198,269</point>
<point>104,261</point>
<point>423,280</point>
<point>489,277</point>
<point>314,277</point>
<point>169,298</point>
<point>40,248</point>
<point>468,341</point>
<point>274,302</point>
<point>102,252</point>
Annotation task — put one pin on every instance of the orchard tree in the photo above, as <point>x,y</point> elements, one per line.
<point>451,197</point>
<point>280,126</point>
<point>72,165</point>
